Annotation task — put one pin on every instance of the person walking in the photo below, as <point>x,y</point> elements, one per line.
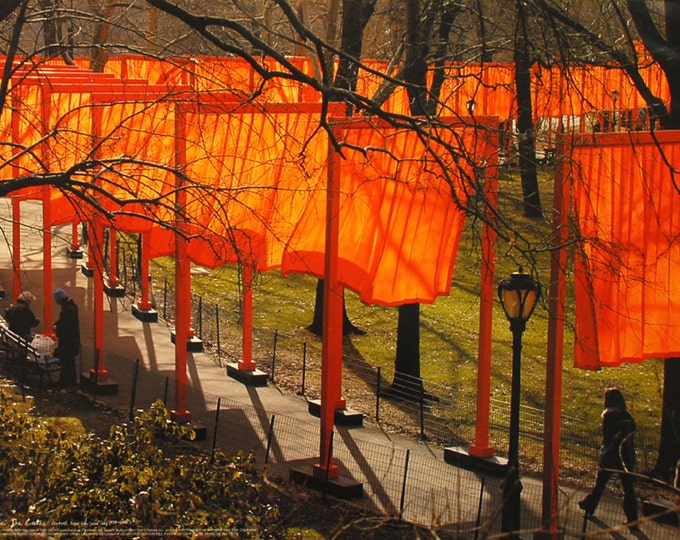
<point>67,330</point>
<point>19,316</point>
<point>616,455</point>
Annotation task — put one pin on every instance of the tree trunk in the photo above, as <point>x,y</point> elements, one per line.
<point>355,16</point>
<point>407,382</point>
<point>525,123</point>
<point>7,7</point>
<point>52,31</point>
<point>316,327</point>
<point>669,446</point>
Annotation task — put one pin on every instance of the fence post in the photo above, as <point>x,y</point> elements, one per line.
<point>270,435</point>
<point>165,391</point>
<point>403,484</point>
<point>165,298</point>
<point>124,258</point>
<point>422,409</point>
<point>377,395</point>
<point>200,317</point>
<point>217,328</point>
<point>133,392</point>
<point>276,337</point>
<point>217,422</point>
<point>304,366</point>
<point>479,507</point>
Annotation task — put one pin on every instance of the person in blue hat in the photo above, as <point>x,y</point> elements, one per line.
<point>67,330</point>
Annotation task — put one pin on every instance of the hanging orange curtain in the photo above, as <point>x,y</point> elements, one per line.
<point>399,225</point>
<point>139,138</point>
<point>26,133</point>
<point>253,167</point>
<point>626,201</point>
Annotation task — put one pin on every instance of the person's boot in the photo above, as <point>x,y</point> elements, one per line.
<point>587,505</point>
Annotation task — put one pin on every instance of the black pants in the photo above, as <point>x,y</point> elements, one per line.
<point>68,375</point>
<point>629,497</point>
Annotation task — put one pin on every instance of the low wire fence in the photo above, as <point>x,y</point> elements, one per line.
<point>418,408</point>
<point>403,483</point>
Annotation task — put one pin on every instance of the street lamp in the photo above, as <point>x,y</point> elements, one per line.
<point>615,98</point>
<point>518,295</point>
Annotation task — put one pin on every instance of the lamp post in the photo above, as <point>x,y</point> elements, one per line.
<point>518,295</point>
<point>615,98</point>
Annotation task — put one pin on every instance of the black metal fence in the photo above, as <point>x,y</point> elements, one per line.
<point>410,484</point>
<point>434,412</point>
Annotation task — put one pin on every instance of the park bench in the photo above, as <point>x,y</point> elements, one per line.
<point>25,360</point>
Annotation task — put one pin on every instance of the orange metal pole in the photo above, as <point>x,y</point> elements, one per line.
<point>246,362</point>
<point>16,208</point>
<point>331,354</point>
<point>481,446</point>
<point>99,372</point>
<point>553,383</point>
<point>47,259</point>
<point>112,275</point>
<point>144,302</point>
<point>180,413</point>
<point>47,224</point>
<point>75,245</point>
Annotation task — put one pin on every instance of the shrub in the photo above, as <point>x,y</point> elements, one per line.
<point>54,482</point>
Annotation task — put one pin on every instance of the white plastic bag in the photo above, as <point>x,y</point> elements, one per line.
<point>45,346</point>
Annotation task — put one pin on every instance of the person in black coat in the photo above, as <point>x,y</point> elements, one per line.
<point>616,455</point>
<point>20,317</point>
<point>67,330</point>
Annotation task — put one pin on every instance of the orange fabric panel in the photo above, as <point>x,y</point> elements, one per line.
<point>393,197</point>
<point>151,70</point>
<point>233,75</point>
<point>6,148</point>
<point>70,121</point>
<point>256,169</point>
<point>26,126</point>
<point>139,139</point>
<point>286,90</point>
<point>626,205</point>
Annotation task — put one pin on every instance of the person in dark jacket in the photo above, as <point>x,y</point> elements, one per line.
<point>616,455</point>
<point>67,330</point>
<point>20,317</point>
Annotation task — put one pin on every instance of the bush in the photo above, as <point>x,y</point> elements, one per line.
<point>75,484</point>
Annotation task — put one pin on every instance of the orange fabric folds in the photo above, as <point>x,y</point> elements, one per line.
<point>252,170</point>
<point>627,203</point>
<point>399,224</point>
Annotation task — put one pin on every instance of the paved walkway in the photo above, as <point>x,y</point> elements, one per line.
<point>397,474</point>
